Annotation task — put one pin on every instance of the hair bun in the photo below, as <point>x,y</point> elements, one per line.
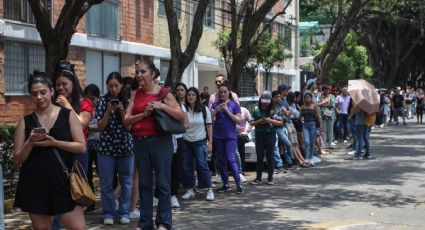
<point>65,65</point>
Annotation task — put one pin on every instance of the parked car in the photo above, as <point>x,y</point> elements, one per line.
<point>250,154</point>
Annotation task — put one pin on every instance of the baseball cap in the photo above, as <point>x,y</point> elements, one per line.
<point>266,97</point>
<point>310,81</point>
<point>283,87</point>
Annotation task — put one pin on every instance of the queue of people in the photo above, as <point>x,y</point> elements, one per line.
<point>117,132</point>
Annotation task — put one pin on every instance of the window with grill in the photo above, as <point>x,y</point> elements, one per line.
<point>209,19</point>
<point>177,8</point>
<point>288,38</point>
<point>20,10</point>
<point>21,59</point>
<point>103,19</point>
<point>247,84</point>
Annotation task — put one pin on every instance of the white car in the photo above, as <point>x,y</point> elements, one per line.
<point>250,154</point>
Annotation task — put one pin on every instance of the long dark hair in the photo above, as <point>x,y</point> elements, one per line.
<point>175,90</point>
<point>226,84</point>
<point>198,105</point>
<point>150,65</point>
<point>290,97</point>
<point>39,77</point>
<point>117,76</point>
<point>66,69</point>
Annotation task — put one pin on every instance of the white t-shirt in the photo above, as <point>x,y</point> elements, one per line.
<point>196,130</point>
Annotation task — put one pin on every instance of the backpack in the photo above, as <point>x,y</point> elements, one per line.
<point>369,119</point>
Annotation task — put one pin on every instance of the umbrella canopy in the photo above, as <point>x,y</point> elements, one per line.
<point>364,95</point>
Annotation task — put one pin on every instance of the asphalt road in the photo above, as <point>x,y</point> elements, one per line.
<point>385,193</point>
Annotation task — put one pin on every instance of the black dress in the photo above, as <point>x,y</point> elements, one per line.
<point>43,187</point>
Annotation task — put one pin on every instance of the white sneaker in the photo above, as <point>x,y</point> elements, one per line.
<point>108,221</point>
<point>188,195</point>
<point>135,214</point>
<point>155,202</point>
<point>218,179</point>
<point>334,143</point>
<point>124,220</point>
<point>351,153</point>
<point>243,179</point>
<point>345,141</point>
<point>174,202</point>
<point>210,195</point>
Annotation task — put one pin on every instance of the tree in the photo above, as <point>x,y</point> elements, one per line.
<point>246,18</point>
<point>269,51</point>
<point>347,16</point>
<point>351,63</point>
<point>179,59</point>
<point>56,39</point>
<point>395,40</point>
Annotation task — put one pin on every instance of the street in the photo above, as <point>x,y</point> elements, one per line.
<point>384,193</point>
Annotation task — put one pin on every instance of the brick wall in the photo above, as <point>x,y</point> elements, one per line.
<point>128,65</point>
<point>77,56</point>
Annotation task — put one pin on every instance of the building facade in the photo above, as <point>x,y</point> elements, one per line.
<point>112,36</point>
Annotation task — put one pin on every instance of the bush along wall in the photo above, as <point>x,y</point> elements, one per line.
<point>10,169</point>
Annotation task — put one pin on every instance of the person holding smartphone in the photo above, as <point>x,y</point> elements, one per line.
<point>43,187</point>
<point>226,114</point>
<point>115,151</point>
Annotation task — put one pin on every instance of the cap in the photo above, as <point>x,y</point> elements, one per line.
<point>266,97</point>
<point>310,81</point>
<point>283,87</point>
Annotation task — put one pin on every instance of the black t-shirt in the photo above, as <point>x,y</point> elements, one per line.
<point>398,100</point>
<point>206,97</point>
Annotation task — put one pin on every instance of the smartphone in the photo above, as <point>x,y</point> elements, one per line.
<point>221,100</point>
<point>40,130</point>
<point>115,101</point>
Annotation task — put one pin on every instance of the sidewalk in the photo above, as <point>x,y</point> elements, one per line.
<point>385,193</point>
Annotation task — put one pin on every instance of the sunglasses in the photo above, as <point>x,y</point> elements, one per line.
<point>218,82</point>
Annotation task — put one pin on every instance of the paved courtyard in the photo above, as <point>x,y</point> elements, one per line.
<point>385,193</point>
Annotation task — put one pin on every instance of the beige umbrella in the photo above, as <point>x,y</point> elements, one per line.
<point>364,95</point>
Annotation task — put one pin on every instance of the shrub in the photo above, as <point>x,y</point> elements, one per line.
<point>10,169</point>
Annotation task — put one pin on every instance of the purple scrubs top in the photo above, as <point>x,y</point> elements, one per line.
<point>223,126</point>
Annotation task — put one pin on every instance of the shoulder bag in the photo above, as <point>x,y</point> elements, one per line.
<point>165,123</point>
<point>81,191</point>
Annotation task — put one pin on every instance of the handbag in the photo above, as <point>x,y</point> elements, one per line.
<point>81,191</point>
<point>327,113</point>
<point>166,124</point>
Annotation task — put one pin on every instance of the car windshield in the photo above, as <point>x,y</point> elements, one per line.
<point>249,103</point>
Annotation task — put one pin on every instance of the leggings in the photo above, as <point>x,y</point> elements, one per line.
<point>419,113</point>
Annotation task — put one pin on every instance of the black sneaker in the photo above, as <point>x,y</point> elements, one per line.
<point>366,156</point>
<point>225,188</point>
<point>255,182</point>
<point>239,190</point>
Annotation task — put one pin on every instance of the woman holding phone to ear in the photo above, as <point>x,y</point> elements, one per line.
<point>43,188</point>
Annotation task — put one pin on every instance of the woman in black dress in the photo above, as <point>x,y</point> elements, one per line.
<point>43,188</point>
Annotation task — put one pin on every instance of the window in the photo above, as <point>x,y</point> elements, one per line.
<point>280,30</point>
<point>20,10</point>
<point>288,38</point>
<point>20,59</point>
<point>163,69</point>
<point>209,19</point>
<point>103,19</point>
<point>98,66</point>
<point>247,84</point>
<point>177,8</point>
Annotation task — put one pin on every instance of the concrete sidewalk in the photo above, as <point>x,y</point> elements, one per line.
<point>385,193</point>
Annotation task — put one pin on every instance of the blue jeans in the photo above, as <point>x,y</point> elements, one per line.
<point>362,136</point>
<point>84,160</point>
<point>278,162</point>
<point>264,145</point>
<point>2,199</point>
<point>342,123</point>
<point>310,132</point>
<point>124,166</point>
<point>282,135</point>
<point>195,151</point>
<point>154,154</point>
